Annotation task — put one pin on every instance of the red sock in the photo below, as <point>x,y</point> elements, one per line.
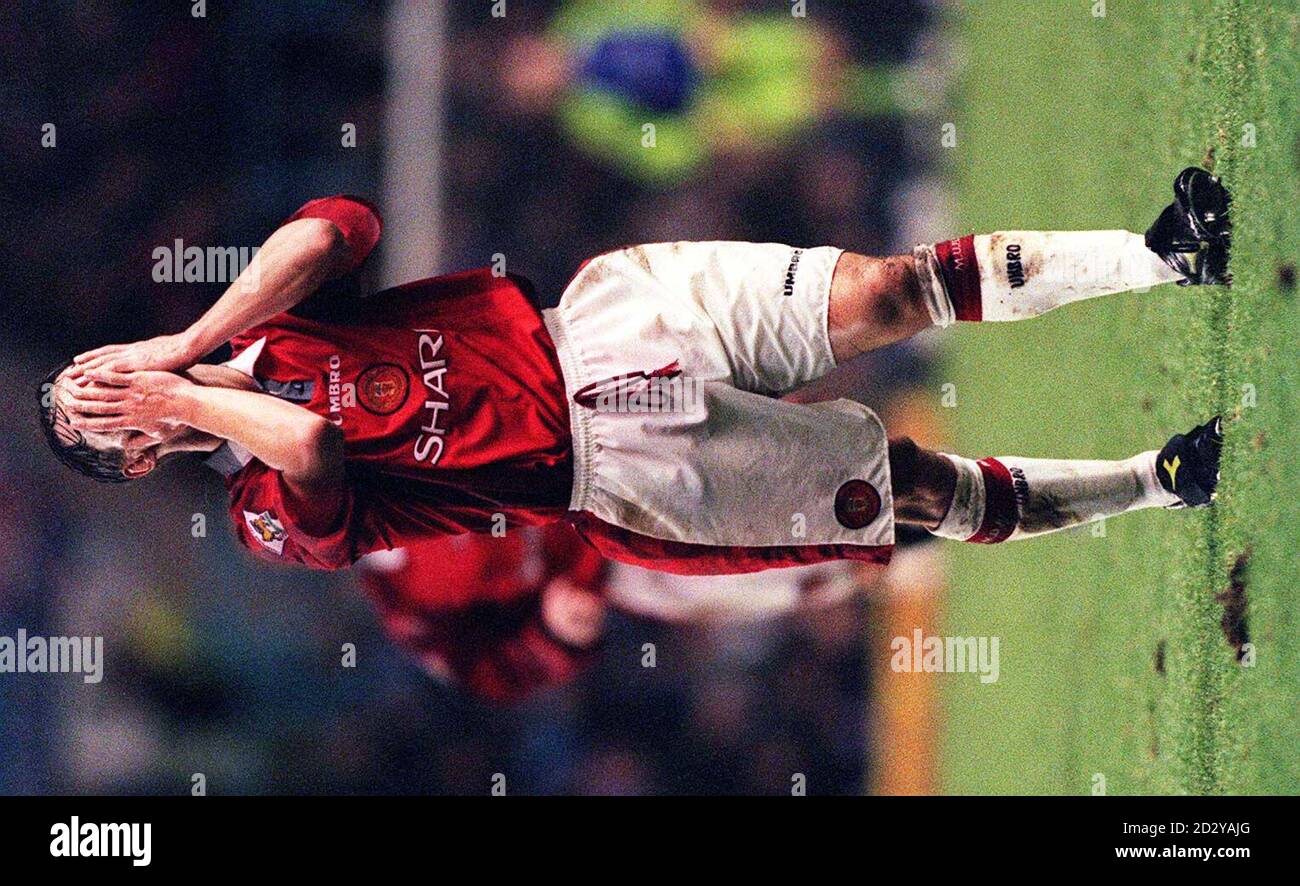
<point>961,276</point>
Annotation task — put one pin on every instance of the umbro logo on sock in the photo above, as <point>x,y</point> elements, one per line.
<point>1015,270</point>
<point>1019,483</point>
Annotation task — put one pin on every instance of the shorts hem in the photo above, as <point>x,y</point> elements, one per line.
<point>584,444</point>
<point>825,304</point>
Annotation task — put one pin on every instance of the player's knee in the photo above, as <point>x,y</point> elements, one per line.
<point>899,303</point>
<point>911,296</point>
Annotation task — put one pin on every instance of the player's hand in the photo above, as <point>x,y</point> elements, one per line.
<point>105,400</point>
<point>163,353</point>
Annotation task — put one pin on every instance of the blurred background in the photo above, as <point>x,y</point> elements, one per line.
<point>479,135</point>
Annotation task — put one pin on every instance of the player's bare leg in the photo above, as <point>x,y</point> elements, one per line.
<point>1009,498</point>
<point>874,302</point>
<point>1014,275</point>
<point>923,483</point>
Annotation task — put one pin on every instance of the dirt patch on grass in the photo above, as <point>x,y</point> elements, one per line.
<point>1235,628</point>
<point>1286,277</point>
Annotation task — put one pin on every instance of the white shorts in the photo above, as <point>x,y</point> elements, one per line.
<point>717,460</point>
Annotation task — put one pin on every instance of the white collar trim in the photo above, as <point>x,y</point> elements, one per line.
<point>247,359</point>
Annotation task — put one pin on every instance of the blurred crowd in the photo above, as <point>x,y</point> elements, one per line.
<point>166,126</point>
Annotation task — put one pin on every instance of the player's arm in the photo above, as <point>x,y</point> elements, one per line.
<point>291,265</point>
<point>324,240</point>
<point>304,447</point>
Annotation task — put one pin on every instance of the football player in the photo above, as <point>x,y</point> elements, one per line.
<point>643,408</point>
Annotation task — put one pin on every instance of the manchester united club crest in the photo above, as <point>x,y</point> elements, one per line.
<point>382,388</point>
<point>267,529</point>
<point>857,503</point>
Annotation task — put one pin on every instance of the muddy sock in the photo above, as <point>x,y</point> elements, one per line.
<point>1009,498</point>
<point>1013,275</point>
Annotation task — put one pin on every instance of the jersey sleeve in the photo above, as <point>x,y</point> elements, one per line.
<point>269,519</point>
<point>356,217</point>
<point>362,227</point>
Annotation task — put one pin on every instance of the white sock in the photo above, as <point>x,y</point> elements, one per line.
<point>1010,498</point>
<point>1013,275</point>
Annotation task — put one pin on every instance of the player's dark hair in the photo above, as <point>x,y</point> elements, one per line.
<point>69,445</point>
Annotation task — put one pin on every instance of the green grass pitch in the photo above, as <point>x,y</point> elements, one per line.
<point>1114,665</point>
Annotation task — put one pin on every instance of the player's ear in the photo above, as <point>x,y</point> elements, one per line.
<point>141,465</point>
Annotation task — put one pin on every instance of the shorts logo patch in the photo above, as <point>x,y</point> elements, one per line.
<point>382,388</point>
<point>857,503</point>
<point>267,529</point>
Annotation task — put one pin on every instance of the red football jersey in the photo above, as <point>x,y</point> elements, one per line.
<point>449,395</point>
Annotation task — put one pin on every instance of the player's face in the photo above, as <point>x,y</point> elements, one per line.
<point>141,453</point>
<point>144,451</point>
